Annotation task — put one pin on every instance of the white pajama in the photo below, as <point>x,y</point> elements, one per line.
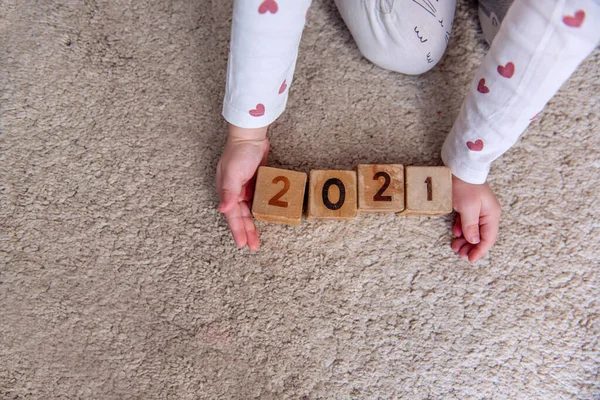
<point>538,45</point>
<point>407,36</point>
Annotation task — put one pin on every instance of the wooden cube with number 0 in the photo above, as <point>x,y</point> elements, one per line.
<point>279,196</point>
<point>428,191</point>
<point>380,187</point>
<point>331,195</point>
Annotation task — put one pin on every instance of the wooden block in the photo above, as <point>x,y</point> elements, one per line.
<point>331,195</point>
<point>428,191</point>
<point>279,196</point>
<point>380,187</point>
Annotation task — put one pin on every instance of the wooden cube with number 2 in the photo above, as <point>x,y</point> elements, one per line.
<point>331,195</point>
<point>279,196</point>
<point>428,191</point>
<point>380,187</point>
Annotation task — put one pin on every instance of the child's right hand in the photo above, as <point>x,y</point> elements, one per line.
<point>245,151</point>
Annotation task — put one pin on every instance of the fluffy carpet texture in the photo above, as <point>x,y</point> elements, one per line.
<point>120,280</point>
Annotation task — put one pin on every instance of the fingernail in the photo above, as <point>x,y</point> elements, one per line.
<point>474,239</point>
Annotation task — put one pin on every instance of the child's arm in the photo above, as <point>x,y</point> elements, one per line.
<point>538,47</point>
<point>265,35</point>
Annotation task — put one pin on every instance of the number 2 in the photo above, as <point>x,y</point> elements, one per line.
<point>379,195</point>
<point>429,189</point>
<point>286,186</point>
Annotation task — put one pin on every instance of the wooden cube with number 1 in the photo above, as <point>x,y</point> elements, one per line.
<point>331,195</point>
<point>279,196</point>
<point>428,191</point>
<point>380,187</point>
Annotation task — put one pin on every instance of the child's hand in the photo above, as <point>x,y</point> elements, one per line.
<point>245,151</point>
<point>476,226</point>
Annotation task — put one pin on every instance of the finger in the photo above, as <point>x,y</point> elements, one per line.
<point>237,226</point>
<point>465,250</point>
<point>458,243</point>
<point>479,251</point>
<point>477,254</point>
<point>456,229</point>
<point>251,231</point>
<point>229,200</point>
<point>248,191</point>
<point>469,218</point>
<point>230,186</point>
<point>489,235</point>
<point>230,189</point>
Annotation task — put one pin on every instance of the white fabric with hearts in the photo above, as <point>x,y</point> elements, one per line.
<point>537,47</point>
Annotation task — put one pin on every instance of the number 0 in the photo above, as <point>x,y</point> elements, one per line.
<point>325,194</point>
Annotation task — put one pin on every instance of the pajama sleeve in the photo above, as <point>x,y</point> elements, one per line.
<point>539,45</point>
<point>265,35</point>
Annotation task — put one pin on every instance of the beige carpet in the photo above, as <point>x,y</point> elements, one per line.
<point>119,280</point>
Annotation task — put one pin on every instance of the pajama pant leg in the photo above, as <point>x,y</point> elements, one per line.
<point>407,36</point>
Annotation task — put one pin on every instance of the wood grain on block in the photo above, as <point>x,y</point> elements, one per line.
<point>380,187</point>
<point>331,195</point>
<point>279,196</point>
<point>428,191</point>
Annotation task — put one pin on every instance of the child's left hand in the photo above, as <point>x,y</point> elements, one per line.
<point>476,226</point>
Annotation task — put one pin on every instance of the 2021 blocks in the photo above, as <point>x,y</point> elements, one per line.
<point>339,194</point>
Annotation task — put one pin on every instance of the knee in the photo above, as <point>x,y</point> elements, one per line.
<point>399,35</point>
<point>406,59</point>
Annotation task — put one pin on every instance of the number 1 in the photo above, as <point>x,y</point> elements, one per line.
<point>429,189</point>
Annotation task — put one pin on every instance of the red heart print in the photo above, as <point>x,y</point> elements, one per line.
<point>481,88</point>
<point>507,71</point>
<point>574,21</point>
<point>268,5</point>
<point>259,111</point>
<point>477,146</point>
<point>283,87</point>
